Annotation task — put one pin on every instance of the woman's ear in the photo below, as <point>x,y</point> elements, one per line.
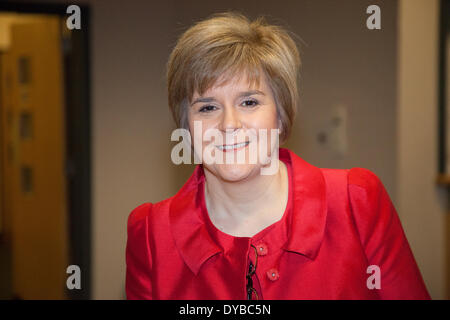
<point>280,126</point>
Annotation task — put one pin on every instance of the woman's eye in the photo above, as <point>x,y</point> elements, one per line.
<point>249,103</point>
<point>207,108</point>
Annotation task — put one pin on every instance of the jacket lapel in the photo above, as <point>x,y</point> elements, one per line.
<point>189,231</point>
<point>309,207</point>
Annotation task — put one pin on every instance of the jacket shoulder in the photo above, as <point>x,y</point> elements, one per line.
<point>363,177</point>
<point>355,184</point>
<point>364,182</point>
<point>360,177</point>
<point>147,210</point>
<point>139,213</point>
<point>335,179</point>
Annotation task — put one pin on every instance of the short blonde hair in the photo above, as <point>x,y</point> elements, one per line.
<point>228,44</point>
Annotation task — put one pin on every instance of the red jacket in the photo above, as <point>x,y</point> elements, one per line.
<point>337,223</point>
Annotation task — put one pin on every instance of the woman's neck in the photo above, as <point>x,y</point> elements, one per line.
<point>259,200</point>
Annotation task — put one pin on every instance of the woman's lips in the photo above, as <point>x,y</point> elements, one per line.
<point>233,147</point>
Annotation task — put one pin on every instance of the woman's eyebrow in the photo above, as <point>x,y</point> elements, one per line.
<point>203,99</point>
<point>241,95</point>
<point>250,93</point>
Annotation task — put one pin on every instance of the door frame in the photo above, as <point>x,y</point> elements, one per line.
<point>78,136</point>
<point>444,108</point>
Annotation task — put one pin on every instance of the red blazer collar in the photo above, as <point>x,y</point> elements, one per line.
<point>195,244</point>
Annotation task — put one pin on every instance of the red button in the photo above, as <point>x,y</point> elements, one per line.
<point>273,274</point>
<point>261,249</point>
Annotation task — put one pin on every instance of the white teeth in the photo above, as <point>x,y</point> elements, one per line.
<point>234,146</point>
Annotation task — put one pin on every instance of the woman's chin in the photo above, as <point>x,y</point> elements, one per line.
<point>234,172</point>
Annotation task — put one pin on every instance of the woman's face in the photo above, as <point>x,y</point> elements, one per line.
<point>234,117</point>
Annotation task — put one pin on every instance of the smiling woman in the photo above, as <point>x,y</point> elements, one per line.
<point>234,232</point>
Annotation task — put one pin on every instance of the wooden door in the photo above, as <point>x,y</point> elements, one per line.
<point>34,159</point>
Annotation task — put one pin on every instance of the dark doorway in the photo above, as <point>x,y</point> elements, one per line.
<point>76,84</point>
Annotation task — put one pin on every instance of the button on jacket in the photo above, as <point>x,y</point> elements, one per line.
<point>337,223</point>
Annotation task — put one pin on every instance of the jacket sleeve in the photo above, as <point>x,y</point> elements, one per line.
<point>383,238</point>
<point>138,284</point>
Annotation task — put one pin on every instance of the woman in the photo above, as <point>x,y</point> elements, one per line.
<point>236,232</point>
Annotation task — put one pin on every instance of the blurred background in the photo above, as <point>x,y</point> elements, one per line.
<point>85,127</point>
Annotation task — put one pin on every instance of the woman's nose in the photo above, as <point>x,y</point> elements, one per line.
<point>230,120</point>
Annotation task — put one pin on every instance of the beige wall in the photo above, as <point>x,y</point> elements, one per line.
<point>421,203</point>
<point>344,63</point>
<point>131,127</point>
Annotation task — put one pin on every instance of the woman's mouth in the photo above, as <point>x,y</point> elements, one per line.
<point>233,147</point>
